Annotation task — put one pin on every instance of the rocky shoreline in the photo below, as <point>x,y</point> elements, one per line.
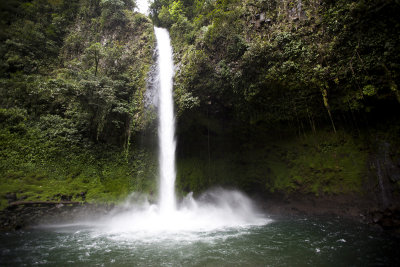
<point>355,207</point>
<point>24,215</point>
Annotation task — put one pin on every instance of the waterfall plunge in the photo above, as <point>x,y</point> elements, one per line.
<point>216,209</point>
<point>166,126</point>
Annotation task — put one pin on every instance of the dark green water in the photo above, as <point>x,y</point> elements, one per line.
<point>283,242</point>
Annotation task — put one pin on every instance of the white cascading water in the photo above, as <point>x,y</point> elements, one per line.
<point>215,210</point>
<point>166,125</point>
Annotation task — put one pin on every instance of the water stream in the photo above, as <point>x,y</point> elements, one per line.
<point>283,242</point>
<point>166,126</point>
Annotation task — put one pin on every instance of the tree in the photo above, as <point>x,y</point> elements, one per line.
<point>93,54</point>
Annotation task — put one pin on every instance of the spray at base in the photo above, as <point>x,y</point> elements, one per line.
<point>217,209</point>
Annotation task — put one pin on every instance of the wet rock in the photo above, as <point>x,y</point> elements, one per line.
<point>388,219</point>
<point>11,197</point>
<point>81,195</point>
<point>65,198</point>
<point>376,216</point>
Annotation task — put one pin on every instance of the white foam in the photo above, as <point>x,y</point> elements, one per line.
<point>216,210</point>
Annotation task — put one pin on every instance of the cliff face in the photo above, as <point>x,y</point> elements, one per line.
<point>286,97</point>
<point>72,91</point>
<point>283,99</point>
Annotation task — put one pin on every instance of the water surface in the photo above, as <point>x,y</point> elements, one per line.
<point>282,242</point>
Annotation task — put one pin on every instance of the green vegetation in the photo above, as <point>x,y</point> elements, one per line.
<point>269,61</point>
<point>72,83</point>
<point>323,163</point>
<point>290,70</point>
<point>36,167</point>
<point>272,96</point>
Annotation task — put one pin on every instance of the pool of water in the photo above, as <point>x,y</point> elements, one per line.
<point>281,242</point>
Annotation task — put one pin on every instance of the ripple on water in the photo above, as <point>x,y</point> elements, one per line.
<point>283,242</point>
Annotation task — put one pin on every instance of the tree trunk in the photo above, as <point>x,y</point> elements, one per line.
<point>326,104</point>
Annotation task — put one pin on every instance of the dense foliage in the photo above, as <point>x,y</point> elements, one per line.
<point>301,61</point>
<point>290,96</point>
<point>72,84</point>
<point>293,70</point>
<point>82,66</point>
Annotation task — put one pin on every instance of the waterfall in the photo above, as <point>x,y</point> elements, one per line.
<point>166,124</point>
<point>215,209</point>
